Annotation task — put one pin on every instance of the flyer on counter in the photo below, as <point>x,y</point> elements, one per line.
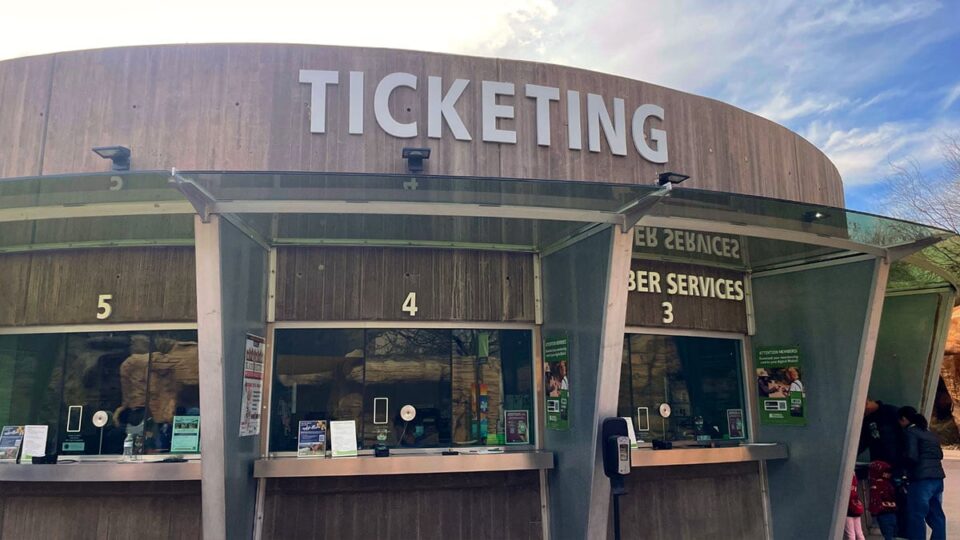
<point>34,443</point>
<point>556,355</point>
<point>186,434</point>
<point>517,427</point>
<point>10,440</point>
<point>312,438</point>
<point>343,438</point>
<point>252,386</point>
<point>780,385</point>
<point>735,423</point>
<point>630,432</point>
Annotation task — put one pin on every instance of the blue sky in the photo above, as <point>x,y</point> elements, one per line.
<point>871,83</point>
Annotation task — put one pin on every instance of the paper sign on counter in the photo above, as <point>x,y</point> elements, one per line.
<point>34,443</point>
<point>343,438</point>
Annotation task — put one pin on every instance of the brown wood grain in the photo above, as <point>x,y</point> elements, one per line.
<point>690,312</point>
<point>409,507</point>
<point>63,287</point>
<point>103,510</point>
<point>349,283</point>
<point>694,501</point>
<point>242,107</point>
<point>24,91</point>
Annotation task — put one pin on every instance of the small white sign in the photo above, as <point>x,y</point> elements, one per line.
<point>343,438</point>
<point>34,443</point>
<point>632,434</point>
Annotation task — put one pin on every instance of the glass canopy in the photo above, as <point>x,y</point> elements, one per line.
<point>155,208</point>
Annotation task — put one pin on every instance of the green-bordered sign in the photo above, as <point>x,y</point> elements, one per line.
<point>780,385</point>
<point>556,358</point>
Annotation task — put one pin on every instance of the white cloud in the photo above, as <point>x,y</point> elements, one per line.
<point>952,95</point>
<point>866,155</point>
<point>882,97</point>
<point>782,108</point>
<point>29,28</point>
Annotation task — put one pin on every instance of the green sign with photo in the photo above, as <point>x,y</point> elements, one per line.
<point>780,386</point>
<point>556,358</point>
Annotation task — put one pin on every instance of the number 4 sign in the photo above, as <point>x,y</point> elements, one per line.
<point>410,304</point>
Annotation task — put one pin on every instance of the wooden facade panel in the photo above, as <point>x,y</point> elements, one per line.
<point>63,287</point>
<point>349,283</point>
<point>24,90</point>
<point>693,502</point>
<point>661,282</point>
<point>81,511</point>
<point>411,507</point>
<point>242,107</point>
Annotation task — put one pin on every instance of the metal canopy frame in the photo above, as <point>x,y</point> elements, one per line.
<point>646,209</point>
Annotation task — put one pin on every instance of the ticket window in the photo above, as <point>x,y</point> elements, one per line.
<point>700,379</point>
<point>141,380</point>
<point>459,381</point>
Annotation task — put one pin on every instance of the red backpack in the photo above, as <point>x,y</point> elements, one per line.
<point>883,497</point>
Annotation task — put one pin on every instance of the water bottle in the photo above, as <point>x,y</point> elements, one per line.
<point>128,448</point>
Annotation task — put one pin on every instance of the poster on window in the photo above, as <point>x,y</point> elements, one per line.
<point>556,358</point>
<point>252,386</point>
<point>186,434</point>
<point>735,427</point>
<point>780,386</point>
<point>517,427</point>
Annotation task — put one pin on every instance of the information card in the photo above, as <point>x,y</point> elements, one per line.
<point>186,435</point>
<point>312,439</point>
<point>10,440</point>
<point>34,443</point>
<point>343,438</point>
<point>517,427</point>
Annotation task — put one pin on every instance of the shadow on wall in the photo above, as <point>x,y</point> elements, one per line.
<point>946,417</point>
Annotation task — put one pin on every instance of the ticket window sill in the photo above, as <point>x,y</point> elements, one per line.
<point>696,455</point>
<point>69,469</point>
<point>431,462</point>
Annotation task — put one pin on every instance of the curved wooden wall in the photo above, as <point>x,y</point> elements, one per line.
<point>242,107</point>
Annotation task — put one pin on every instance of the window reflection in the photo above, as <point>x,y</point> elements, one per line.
<point>700,378</point>
<point>318,375</point>
<point>140,379</point>
<point>458,381</point>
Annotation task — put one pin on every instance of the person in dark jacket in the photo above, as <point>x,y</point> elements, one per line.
<point>881,433</point>
<point>922,459</point>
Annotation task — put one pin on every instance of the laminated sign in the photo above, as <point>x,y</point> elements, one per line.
<point>556,356</point>
<point>252,386</point>
<point>780,385</point>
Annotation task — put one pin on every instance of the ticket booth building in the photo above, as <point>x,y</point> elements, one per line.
<point>512,294</point>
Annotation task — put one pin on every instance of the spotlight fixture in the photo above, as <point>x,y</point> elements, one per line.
<point>668,177</point>
<point>814,215</point>
<point>415,157</point>
<point>119,155</point>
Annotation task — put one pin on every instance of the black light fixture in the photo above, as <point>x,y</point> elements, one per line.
<point>415,157</point>
<point>814,215</point>
<point>668,177</point>
<point>119,155</point>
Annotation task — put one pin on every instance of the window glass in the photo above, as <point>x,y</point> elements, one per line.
<point>700,378</point>
<point>408,367</point>
<point>30,380</point>
<point>140,379</point>
<point>459,382</point>
<point>317,375</point>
